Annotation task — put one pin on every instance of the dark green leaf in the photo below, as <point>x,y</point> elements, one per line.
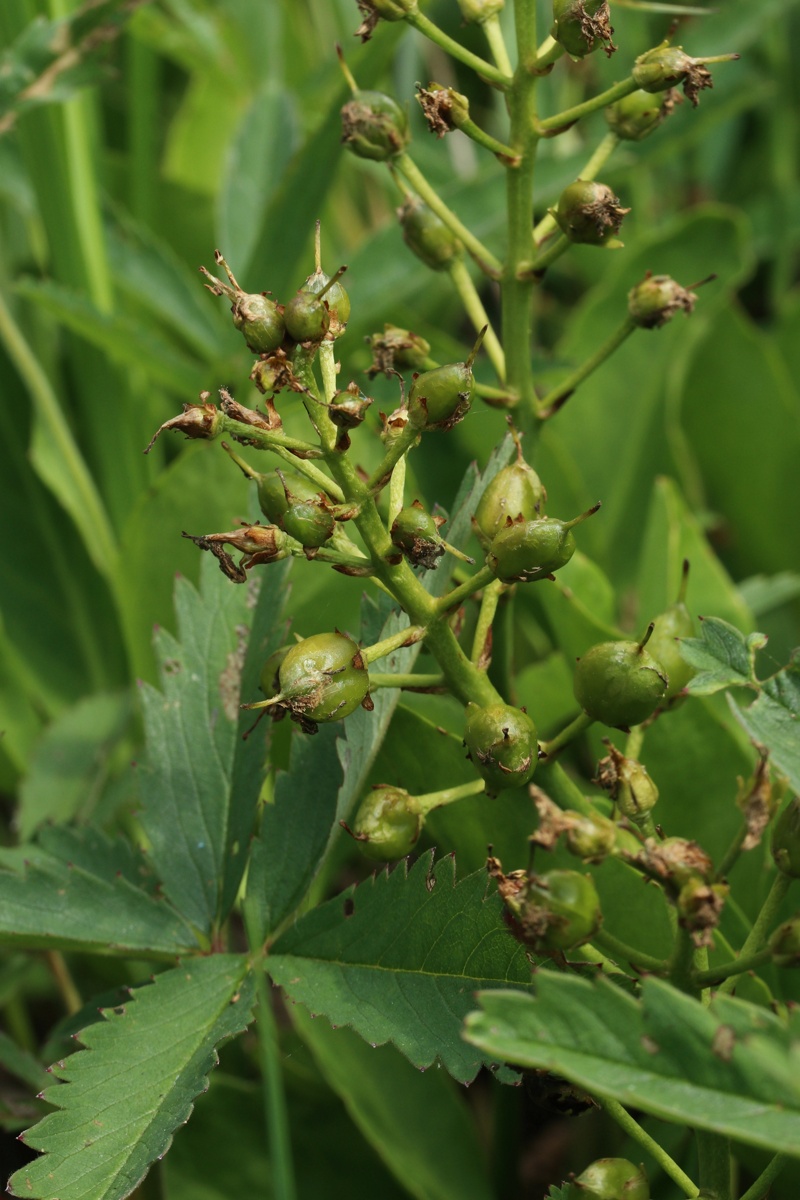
<point>122,1097</point>
<point>773,720</point>
<point>726,1069</point>
<point>375,958</point>
<point>722,657</point>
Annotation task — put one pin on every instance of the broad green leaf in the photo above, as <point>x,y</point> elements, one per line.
<point>126,341</point>
<point>722,657</point>
<point>772,720</point>
<point>375,958</point>
<point>674,534</point>
<point>729,1069</point>
<point>79,890</point>
<point>69,766</point>
<point>419,1124</point>
<point>122,1097</point>
<point>201,781</point>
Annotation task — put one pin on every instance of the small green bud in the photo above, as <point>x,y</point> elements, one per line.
<point>444,108</point>
<point>580,26</point>
<point>374,126</point>
<point>416,533</point>
<point>322,678</point>
<point>525,551</point>
<point>656,299</point>
<point>610,1179</point>
<point>589,213</point>
<point>628,783</point>
<point>259,319</point>
<point>786,840</point>
<point>440,398</point>
<point>386,825</point>
<point>674,623</point>
<point>502,744</point>
<point>557,911</point>
<point>666,66</point>
<point>427,235</point>
<point>478,11</point>
<point>516,491</point>
<point>619,683</point>
<point>395,348</point>
<point>785,944</point>
<point>639,114</point>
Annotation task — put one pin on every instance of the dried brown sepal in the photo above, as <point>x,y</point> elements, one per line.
<point>258,544</point>
<point>443,108</point>
<point>699,908</point>
<point>275,373</point>
<point>696,80</point>
<point>235,573</point>
<point>676,861</point>
<point>395,348</point>
<point>249,416</point>
<point>367,26</point>
<point>757,803</point>
<point>201,420</point>
<point>553,821</point>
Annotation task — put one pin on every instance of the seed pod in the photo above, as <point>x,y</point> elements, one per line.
<point>591,836</point>
<point>416,533</point>
<point>310,522</point>
<point>374,126</point>
<point>386,825</point>
<point>427,235</point>
<point>444,108</point>
<point>272,489</point>
<point>610,1179</point>
<point>556,911</point>
<point>322,678</point>
<point>440,398</point>
<point>674,623</point>
<point>259,319</point>
<point>639,114</point>
<point>203,420</point>
<point>395,348</point>
<point>667,66</point>
<point>619,683</point>
<point>786,840</point>
<point>580,26</point>
<point>589,213</point>
<point>628,783</point>
<point>336,298</point>
<point>656,299</point>
<point>516,491</point>
<point>525,551</point>
<point>502,744</point>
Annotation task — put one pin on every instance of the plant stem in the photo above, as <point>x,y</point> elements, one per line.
<point>493,32</point>
<point>482,138</point>
<point>548,53</point>
<point>736,966</point>
<point>732,853</point>
<point>485,69</point>
<point>680,967</point>
<point>569,116</point>
<point>397,487</point>
<point>300,465</point>
<point>269,439</point>
<point>275,1111</point>
<point>534,269</point>
<point>66,984</point>
<point>588,172</point>
<point>634,1130</point>
<point>771,1171</point>
<point>554,780</point>
<point>409,682</point>
<point>557,398</point>
<point>761,926</point>
<point>431,800</point>
<point>474,584</point>
<point>473,306</point>
<point>714,1161</point>
<point>619,950</point>
<point>491,596</point>
<point>405,637</point>
<point>484,258</point>
<point>568,734</point>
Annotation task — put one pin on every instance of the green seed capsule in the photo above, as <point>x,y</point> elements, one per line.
<point>674,623</point>
<point>310,522</point>
<point>516,491</point>
<point>440,398</point>
<point>259,319</point>
<point>374,126</point>
<point>525,551</point>
<point>580,26</point>
<point>502,745</point>
<point>611,1179</point>
<point>656,299</point>
<point>639,114</point>
<point>336,298</point>
<point>427,235</point>
<point>558,911</point>
<point>416,533</point>
<point>386,825</point>
<point>323,678</point>
<point>589,213</point>
<point>307,317</point>
<point>619,683</point>
<point>272,488</point>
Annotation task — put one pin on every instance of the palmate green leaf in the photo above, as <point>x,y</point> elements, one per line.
<point>399,957</point>
<point>722,657</point>
<point>79,890</point>
<point>774,720</point>
<point>124,1095</point>
<point>419,1124</point>
<point>201,781</point>
<point>729,1069</point>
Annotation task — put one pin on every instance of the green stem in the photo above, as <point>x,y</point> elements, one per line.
<point>772,1170</point>
<point>493,32</point>
<point>301,465</point>
<point>66,985</point>
<point>557,398</point>
<point>484,258</point>
<point>621,951</point>
<point>762,925</point>
<point>588,171</point>
<point>732,853</point>
<point>409,682</point>
<point>534,269</point>
<point>682,962</point>
<point>714,1164</point>
<point>405,637</point>
<point>269,439</point>
<point>275,1110</point>
<point>431,800</point>
<point>569,116</point>
<point>491,596</point>
<point>568,734</point>
<point>548,53</point>
<point>498,148</point>
<point>562,790</point>
<point>737,966</point>
<point>485,69</point>
<point>473,306</point>
<point>397,487</point>
<point>474,584</point>
<point>634,1131</point>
